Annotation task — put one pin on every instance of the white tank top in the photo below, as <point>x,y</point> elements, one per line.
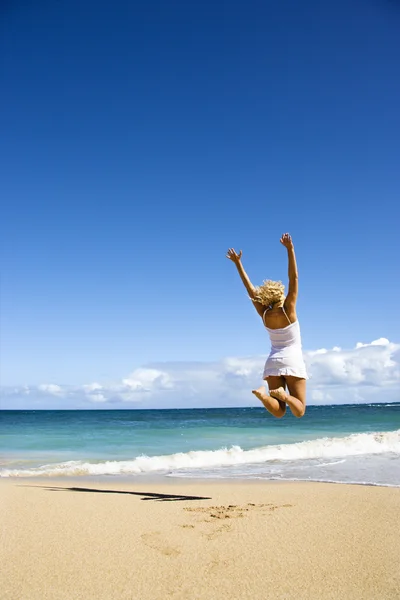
<point>285,341</point>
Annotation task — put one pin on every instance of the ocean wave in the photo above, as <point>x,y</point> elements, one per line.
<point>337,447</point>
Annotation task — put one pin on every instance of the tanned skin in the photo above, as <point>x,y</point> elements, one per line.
<point>274,318</point>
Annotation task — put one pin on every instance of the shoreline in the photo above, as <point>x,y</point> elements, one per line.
<point>159,479</point>
<point>72,538</point>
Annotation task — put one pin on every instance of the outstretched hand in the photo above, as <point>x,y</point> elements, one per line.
<point>233,256</point>
<point>286,240</point>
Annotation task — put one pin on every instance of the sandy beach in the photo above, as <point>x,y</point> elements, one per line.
<point>64,539</point>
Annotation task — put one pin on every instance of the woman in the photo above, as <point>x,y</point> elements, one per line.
<point>285,365</point>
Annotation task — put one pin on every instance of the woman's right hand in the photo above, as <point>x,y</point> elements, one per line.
<point>286,240</point>
<point>233,256</point>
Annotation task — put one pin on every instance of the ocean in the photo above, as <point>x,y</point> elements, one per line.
<point>340,443</point>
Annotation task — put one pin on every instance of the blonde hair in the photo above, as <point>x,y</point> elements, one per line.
<point>269,292</point>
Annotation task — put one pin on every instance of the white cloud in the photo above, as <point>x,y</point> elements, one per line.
<point>367,364</point>
<point>148,380</point>
<point>50,388</point>
<point>320,396</point>
<point>97,397</point>
<point>380,342</point>
<point>245,368</point>
<point>92,387</point>
<point>94,392</point>
<point>368,372</point>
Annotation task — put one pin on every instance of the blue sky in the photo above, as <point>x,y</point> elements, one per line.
<point>141,140</point>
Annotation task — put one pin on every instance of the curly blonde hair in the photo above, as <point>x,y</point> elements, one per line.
<point>269,292</point>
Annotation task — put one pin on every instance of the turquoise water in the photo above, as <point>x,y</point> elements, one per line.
<point>359,443</point>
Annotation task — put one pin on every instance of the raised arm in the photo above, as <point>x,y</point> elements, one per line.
<point>291,297</point>
<point>236,259</point>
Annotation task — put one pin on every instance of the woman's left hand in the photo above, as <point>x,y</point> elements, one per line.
<point>233,256</point>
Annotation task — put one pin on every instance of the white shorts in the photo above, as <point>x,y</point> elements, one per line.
<point>292,366</point>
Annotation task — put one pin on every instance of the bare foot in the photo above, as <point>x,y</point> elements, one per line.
<point>260,393</point>
<point>279,394</point>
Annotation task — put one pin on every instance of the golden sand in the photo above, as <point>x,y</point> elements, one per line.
<point>197,541</point>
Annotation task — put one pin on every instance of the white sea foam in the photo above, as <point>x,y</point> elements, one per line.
<point>337,447</point>
<point>331,463</point>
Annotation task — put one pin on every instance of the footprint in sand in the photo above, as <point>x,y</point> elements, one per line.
<point>222,529</point>
<point>233,510</point>
<point>154,541</point>
<point>216,565</point>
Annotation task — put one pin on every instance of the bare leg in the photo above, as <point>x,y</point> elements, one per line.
<point>296,398</point>
<point>273,405</point>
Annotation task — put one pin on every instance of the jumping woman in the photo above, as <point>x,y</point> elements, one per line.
<point>285,364</point>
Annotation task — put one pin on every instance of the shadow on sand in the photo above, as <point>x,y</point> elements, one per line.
<point>144,495</point>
